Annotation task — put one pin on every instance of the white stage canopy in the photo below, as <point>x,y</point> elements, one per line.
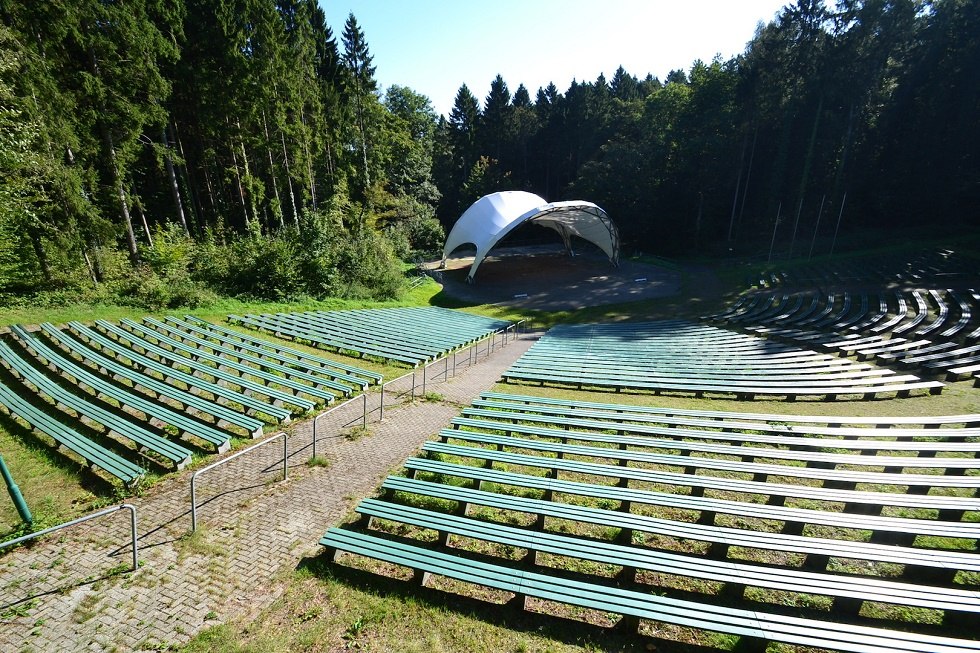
<point>494,216</point>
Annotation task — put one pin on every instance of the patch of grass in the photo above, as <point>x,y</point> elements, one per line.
<point>357,432</point>
<point>363,611</point>
<point>199,542</point>
<point>49,483</point>
<point>318,461</point>
<point>19,609</point>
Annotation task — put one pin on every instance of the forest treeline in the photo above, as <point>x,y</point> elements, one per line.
<point>161,151</point>
<point>870,106</point>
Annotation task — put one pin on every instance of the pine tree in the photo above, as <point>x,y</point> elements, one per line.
<point>357,61</point>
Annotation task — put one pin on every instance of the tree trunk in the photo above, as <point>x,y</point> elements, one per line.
<point>134,254</point>
<point>289,178</point>
<point>272,173</point>
<point>192,190</point>
<point>91,269</point>
<point>146,227</point>
<point>238,180</point>
<point>172,176</point>
<point>42,257</point>
<point>248,177</point>
<point>309,162</point>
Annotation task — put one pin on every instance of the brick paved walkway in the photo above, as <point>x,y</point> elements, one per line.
<point>60,594</point>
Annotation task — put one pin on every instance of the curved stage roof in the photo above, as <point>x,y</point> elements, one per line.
<point>494,216</point>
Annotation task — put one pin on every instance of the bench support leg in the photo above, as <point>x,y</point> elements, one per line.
<point>751,645</point>
<point>931,575</point>
<point>816,561</point>
<point>887,537</point>
<point>628,624</point>
<point>847,605</point>
<point>421,577</point>
<point>519,602</point>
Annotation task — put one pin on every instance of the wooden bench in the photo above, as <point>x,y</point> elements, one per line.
<point>742,448</point>
<point>860,501</point>
<point>175,454</point>
<point>922,310</point>
<point>931,563</point>
<point>641,604</point>
<point>92,453</point>
<point>971,420</point>
<point>303,356</point>
<point>966,315</point>
<point>157,388</point>
<point>901,311</point>
<point>941,316</point>
<point>285,329</point>
<point>292,358</point>
<point>759,471</point>
<point>231,372</point>
<point>171,375</point>
<point>744,392</point>
<point>736,430</point>
<point>299,380</point>
<point>633,559</point>
<point>384,337</point>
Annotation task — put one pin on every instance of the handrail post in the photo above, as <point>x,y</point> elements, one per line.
<point>123,506</point>
<point>364,415</point>
<point>285,453</point>
<point>381,408</point>
<point>315,418</point>
<point>132,526</point>
<point>15,495</point>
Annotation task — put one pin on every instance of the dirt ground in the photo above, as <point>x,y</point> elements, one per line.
<point>544,277</point>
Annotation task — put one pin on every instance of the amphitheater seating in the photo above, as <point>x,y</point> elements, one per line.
<point>268,349</point>
<point>85,375</point>
<point>154,443</point>
<point>641,503</point>
<point>238,346</point>
<point>93,453</point>
<point>684,357</point>
<point>932,331</point>
<point>172,376</point>
<point>407,335</point>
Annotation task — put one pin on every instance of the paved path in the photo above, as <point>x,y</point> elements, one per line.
<point>61,594</point>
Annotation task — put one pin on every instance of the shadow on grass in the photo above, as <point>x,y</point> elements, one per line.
<point>567,631</point>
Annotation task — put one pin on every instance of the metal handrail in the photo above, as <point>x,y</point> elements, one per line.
<point>280,434</point>
<point>122,506</point>
<point>338,407</point>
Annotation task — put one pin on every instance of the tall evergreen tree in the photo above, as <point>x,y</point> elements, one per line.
<point>357,61</point>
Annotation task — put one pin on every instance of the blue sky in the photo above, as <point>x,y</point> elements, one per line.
<point>433,46</point>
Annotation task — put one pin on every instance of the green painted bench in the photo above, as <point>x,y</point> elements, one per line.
<point>473,418</point>
<point>291,358</point>
<point>171,376</point>
<point>175,454</point>
<point>94,454</point>
<point>819,550</point>
<point>641,604</point>
<point>129,398</point>
<point>760,471</point>
<point>744,431</point>
<point>787,419</point>
<point>865,499</point>
<point>633,558</point>
<point>168,363</point>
